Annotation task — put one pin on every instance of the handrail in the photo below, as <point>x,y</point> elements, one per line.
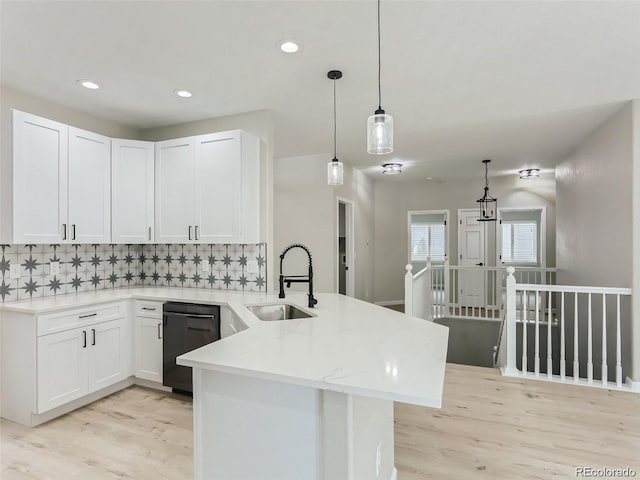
<point>573,289</point>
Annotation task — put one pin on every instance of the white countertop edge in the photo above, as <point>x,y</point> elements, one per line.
<point>364,392</point>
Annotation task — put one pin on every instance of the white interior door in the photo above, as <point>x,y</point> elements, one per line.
<point>471,253</point>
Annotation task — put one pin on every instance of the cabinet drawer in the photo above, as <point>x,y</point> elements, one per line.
<point>148,309</point>
<point>79,317</point>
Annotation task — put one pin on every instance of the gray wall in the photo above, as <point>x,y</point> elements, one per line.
<point>11,98</point>
<point>594,230</point>
<point>306,212</point>
<point>394,199</point>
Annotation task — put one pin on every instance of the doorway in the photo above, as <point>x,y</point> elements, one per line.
<point>345,265</point>
<point>471,254</point>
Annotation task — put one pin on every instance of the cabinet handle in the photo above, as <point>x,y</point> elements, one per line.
<point>196,230</point>
<point>64,231</point>
<point>149,233</point>
<point>147,308</point>
<point>159,334</point>
<point>89,315</point>
<point>84,339</point>
<point>93,333</point>
<point>73,230</point>
<point>189,232</point>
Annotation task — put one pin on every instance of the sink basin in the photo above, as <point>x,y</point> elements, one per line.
<point>279,311</point>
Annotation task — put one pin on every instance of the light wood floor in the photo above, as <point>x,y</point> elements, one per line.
<point>490,427</point>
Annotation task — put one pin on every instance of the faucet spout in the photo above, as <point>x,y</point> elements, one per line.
<point>297,278</point>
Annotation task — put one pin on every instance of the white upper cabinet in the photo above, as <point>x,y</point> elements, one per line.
<point>132,186</point>
<point>39,179</point>
<point>218,187</point>
<point>61,183</point>
<point>175,191</point>
<point>207,189</point>
<point>89,187</point>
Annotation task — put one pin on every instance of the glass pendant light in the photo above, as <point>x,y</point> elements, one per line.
<point>379,125</point>
<point>335,169</point>
<point>488,204</point>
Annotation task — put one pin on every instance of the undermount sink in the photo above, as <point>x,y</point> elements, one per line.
<point>279,311</point>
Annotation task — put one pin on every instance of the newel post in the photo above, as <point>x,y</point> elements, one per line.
<point>408,291</point>
<point>447,272</point>
<point>510,323</point>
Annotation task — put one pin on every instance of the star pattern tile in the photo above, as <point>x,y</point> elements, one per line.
<point>97,266</point>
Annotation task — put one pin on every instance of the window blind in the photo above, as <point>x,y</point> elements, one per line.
<point>520,242</point>
<point>427,241</point>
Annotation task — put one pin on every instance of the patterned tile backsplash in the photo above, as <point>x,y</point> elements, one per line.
<point>94,267</point>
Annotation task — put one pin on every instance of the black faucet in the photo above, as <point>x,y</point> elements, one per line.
<point>297,278</point>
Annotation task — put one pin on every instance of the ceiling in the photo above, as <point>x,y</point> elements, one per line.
<point>519,82</point>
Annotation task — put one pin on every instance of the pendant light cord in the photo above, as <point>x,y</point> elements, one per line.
<point>335,141</point>
<point>379,63</point>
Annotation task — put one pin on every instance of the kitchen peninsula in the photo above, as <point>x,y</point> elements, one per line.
<point>304,398</point>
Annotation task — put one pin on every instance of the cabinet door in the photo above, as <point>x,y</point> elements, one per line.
<point>39,179</point>
<point>132,180</point>
<point>107,354</point>
<point>62,368</point>
<point>218,188</point>
<point>148,348</point>
<point>175,191</point>
<point>89,187</point>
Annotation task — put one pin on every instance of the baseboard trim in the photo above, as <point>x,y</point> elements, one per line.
<point>384,303</point>
<point>394,474</point>
<point>40,418</point>
<point>634,386</point>
<point>151,384</point>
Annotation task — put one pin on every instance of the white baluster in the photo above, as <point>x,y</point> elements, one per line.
<point>576,364</point>
<point>549,318</point>
<point>536,359</point>
<point>604,339</point>
<point>511,323</point>
<point>525,325</point>
<point>590,344</point>
<point>562,346</point>
<point>618,345</point>
<point>408,291</point>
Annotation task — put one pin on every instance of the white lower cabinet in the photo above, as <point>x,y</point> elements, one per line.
<point>80,361</point>
<point>148,348</point>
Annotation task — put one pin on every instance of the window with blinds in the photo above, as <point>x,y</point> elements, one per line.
<point>428,241</point>
<point>520,242</point>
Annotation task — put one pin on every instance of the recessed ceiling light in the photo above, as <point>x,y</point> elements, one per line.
<point>89,84</point>
<point>429,178</point>
<point>289,47</point>
<point>183,93</point>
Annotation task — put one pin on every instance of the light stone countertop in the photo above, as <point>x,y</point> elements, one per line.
<point>349,346</point>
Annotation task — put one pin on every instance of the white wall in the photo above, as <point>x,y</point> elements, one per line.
<point>594,207</point>
<point>594,227</point>
<point>394,199</point>
<point>306,212</point>
<point>11,98</point>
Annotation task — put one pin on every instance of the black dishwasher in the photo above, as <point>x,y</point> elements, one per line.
<point>187,326</point>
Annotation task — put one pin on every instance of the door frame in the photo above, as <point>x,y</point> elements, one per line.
<point>543,232</point>
<point>350,243</point>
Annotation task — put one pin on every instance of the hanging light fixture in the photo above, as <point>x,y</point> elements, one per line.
<point>392,168</point>
<point>379,125</point>
<point>335,169</point>
<point>529,173</point>
<point>488,204</point>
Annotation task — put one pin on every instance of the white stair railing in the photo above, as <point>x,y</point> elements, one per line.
<point>418,301</point>
<point>538,306</point>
